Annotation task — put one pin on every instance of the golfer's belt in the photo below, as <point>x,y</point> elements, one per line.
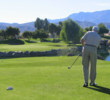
<point>90,45</point>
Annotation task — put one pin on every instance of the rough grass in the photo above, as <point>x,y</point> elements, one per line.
<point>47,78</point>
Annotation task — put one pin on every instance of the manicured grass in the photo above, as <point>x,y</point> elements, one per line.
<point>47,78</point>
<point>39,46</point>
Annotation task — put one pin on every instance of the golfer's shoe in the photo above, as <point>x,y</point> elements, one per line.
<point>93,84</point>
<point>85,85</point>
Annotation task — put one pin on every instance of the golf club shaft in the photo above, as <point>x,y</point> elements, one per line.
<point>75,60</point>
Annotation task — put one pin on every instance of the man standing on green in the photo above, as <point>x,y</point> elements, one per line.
<point>90,42</point>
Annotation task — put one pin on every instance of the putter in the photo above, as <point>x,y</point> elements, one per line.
<point>74,62</point>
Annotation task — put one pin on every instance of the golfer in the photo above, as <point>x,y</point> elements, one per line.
<point>90,42</point>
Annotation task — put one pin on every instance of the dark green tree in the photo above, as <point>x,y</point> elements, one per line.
<point>3,34</point>
<point>89,28</point>
<point>12,32</point>
<point>46,24</point>
<point>71,31</point>
<point>53,29</point>
<point>58,30</point>
<point>28,35</point>
<point>43,35</point>
<point>38,23</point>
<point>102,29</point>
<point>41,24</point>
<point>35,34</point>
<point>40,34</point>
<point>60,24</point>
<point>59,27</point>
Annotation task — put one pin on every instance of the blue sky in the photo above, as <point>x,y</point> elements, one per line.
<point>22,11</point>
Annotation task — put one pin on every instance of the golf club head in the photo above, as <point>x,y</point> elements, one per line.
<point>69,67</point>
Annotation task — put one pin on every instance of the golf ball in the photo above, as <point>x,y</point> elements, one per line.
<point>10,88</point>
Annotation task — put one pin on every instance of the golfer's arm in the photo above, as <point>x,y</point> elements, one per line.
<point>82,42</point>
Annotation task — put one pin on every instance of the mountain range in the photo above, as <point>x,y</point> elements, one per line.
<point>84,19</point>
<point>22,27</point>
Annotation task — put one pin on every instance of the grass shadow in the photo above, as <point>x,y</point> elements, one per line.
<point>57,45</point>
<point>101,89</point>
<point>12,42</point>
<point>30,41</point>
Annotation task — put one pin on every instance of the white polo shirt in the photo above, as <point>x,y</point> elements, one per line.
<point>92,38</point>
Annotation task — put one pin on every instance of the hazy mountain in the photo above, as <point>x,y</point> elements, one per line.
<point>84,19</point>
<point>93,17</point>
<point>85,24</point>
<point>22,27</point>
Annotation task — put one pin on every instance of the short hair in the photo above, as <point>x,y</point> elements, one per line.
<point>95,28</point>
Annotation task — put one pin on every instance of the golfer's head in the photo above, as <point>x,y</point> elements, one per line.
<point>95,28</point>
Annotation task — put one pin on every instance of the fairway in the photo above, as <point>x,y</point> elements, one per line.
<point>48,78</point>
<point>38,46</point>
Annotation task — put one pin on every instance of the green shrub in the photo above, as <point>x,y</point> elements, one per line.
<point>12,41</point>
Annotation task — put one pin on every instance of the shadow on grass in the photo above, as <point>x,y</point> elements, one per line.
<point>100,89</point>
<point>12,42</point>
<point>57,45</point>
<point>29,41</point>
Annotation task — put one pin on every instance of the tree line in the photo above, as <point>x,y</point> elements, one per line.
<point>68,31</point>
